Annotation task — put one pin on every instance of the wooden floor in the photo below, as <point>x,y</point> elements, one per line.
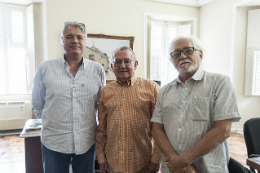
<point>12,152</point>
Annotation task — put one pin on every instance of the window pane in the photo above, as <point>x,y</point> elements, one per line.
<point>158,38</point>
<point>2,71</point>
<point>257,72</point>
<point>17,71</point>
<point>172,73</point>
<point>162,33</point>
<point>172,34</point>
<point>2,58</point>
<point>17,27</point>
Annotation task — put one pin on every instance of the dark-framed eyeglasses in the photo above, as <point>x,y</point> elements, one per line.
<point>187,51</point>
<point>118,63</point>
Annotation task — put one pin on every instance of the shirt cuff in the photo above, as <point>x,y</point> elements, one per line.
<point>101,158</point>
<point>38,113</point>
<point>157,155</point>
<point>156,159</point>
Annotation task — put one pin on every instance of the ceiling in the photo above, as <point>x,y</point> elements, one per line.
<point>250,3</point>
<point>196,3</point>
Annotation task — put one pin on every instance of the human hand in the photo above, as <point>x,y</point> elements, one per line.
<point>153,167</point>
<point>176,163</point>
<point>104,167</point>
<point>191,169</point>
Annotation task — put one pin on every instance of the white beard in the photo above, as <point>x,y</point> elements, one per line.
<point>189,67</point>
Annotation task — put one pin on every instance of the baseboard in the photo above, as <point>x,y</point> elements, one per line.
<point>238,130</point>
<point>10,132</point>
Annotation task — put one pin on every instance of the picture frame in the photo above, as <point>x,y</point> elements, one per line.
<point>100,47</point>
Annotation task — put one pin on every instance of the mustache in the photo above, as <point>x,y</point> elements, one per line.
<point>184,61</point>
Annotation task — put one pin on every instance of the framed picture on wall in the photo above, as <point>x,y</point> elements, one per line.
<point>100,47</point>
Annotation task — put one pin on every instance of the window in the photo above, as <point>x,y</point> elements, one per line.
<point>16,49</point>
<point>162,33</point>
<point>252,71</point>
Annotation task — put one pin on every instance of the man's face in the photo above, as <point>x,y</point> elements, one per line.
<point>74,41</point>
<point>186,63</point>
<point>123,72</point>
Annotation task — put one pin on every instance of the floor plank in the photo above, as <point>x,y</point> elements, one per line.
<point>12,152</point>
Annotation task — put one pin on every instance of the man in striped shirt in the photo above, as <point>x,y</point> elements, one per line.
<point>124,138</point>
<point>193,114</point>
<point>65,95</point>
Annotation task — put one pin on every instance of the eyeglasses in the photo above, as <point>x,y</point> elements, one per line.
<point>118,63</point>
<point>187,51</point>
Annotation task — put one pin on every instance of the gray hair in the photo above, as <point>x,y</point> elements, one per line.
<point>195,41</point>
<point>124,48</point>
<point>75,24</point>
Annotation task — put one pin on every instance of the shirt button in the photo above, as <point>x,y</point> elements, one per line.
<point>194,96</point>
<point>181,115</point>
<point>122,152</point>
<point>179,129</point>
<point>185,88</point>
<point>183,102</point>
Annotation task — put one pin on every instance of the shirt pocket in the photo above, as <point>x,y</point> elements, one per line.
<point>88,91</point>
<point>200,109</point>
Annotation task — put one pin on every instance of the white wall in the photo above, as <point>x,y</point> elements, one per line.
<point>38,32</point>
<point>216,33</point>
<point>110,17</point>
<point>249,105</point>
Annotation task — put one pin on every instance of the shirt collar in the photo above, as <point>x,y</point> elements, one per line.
<point>83,66</point>
<point>130,81</point>
<point>197,76</point>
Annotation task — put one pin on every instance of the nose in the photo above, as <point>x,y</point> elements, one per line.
<point>183,56</point>
<point>122,64</point>
<point>75,40</point>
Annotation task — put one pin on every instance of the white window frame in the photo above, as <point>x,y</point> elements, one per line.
<point>27,45</point>
<point>163,64</point>
<point>147,16</point>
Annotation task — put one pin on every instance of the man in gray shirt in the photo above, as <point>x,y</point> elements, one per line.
<point>193,114</point>
<point>65,95</point>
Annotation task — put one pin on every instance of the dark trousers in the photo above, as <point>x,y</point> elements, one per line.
<point>55,162</point>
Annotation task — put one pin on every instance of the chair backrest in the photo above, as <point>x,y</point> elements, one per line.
<point>252,136</point>
<point>235,167</point>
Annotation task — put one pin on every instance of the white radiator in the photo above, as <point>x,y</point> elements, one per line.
<point>14,114</point>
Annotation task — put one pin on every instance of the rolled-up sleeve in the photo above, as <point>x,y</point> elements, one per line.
<point>157,113</point>
<point>225,101</point>
<point>38,93</point>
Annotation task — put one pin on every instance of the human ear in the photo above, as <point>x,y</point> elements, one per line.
<point>136,64</point>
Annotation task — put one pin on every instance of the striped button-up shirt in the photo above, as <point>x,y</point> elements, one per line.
<point>67,104</point>
<point>188,112</point>
<point>124,136</point>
